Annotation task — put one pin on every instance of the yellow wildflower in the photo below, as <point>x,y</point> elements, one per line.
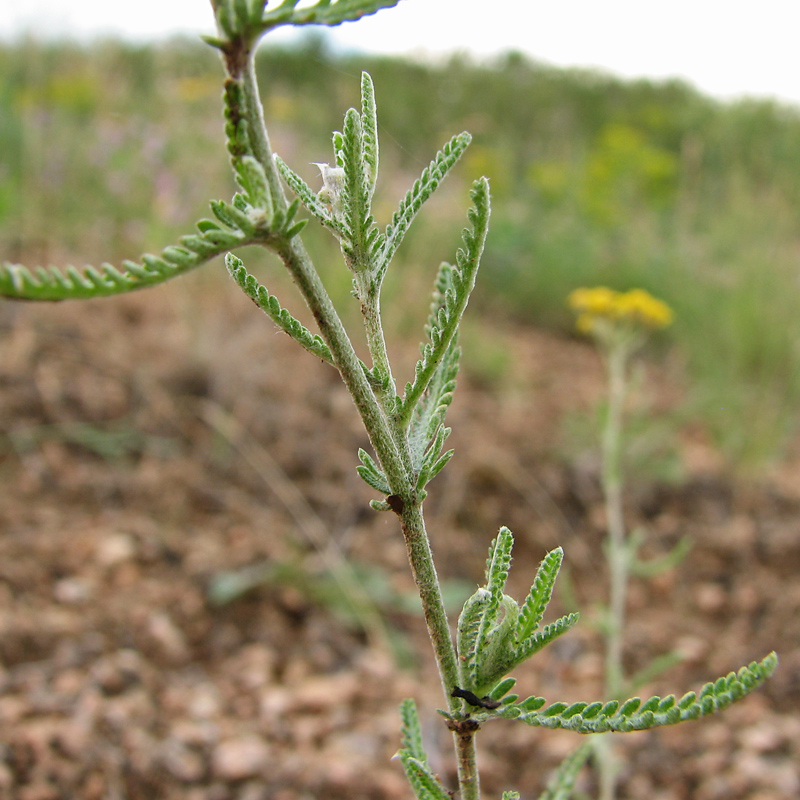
<point>636,307</point>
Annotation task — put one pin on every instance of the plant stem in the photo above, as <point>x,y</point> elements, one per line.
<point>301,268</point>
<point>387,434</point>
<point>257,130</point>
<point>617,554</point>
<point>612,489</point>
<point>424,571</point>
<point>349,365</point>
<point>369,294</point>
<point>468,777</point>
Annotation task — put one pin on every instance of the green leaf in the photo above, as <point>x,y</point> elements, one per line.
<point>496,655</point>
<point>462,281</point>
<point>251,177</point>
<point>493,631</point>
<point>502,688</point>
<point>430,411</point>
<point>422,189</point>
<point>324,12</point>
<point>539,596</point>
<point>280,316</point>
<point>241,13</point>
<point>19,282</point>
<point>542,638</point>
<point>412,756</point>
<point>369,132</point>
<point>427,433</point>
<point>309,198</point>
<point>356,196</point>
<point>230,216</point>
<point>424,783</point>
<point>496,574</point>
<point>410,731</point>
<point>469,624</point>
<point>633,715</point>
<point>372,473</point>
<point>237,137</point>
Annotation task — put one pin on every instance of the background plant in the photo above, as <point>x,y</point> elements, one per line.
<point>407,432</point>
<point>619,323</point>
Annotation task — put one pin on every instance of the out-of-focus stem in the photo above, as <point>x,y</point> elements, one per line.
<point>612,489</point>
<point>617,553</point>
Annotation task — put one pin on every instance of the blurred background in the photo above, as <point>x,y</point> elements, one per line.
<point>625,175</point>
<point>171,609</point>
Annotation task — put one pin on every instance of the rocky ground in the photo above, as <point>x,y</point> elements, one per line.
<point>171,625</point>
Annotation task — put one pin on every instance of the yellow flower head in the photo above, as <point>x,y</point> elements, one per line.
<point>633,308</point>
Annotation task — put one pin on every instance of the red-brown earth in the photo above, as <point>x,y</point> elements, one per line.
<point>128,490</point>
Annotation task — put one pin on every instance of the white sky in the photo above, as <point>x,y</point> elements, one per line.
<point>727,48</point>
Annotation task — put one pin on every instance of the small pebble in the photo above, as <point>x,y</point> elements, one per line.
<point>243,757</point>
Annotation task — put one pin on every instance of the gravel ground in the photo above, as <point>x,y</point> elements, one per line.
<point>130,501</point>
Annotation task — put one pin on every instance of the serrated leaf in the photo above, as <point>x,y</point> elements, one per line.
<point>372,473</point>
<point>233,218</point>
<point>462,278</point>
<point>496,656</point>
<point>633,715</point>
<point>413,758</point>
<point>410,731</point>
<point>424,783</point>
<point>309,198</point>
<point>533,608</point>
<point>427,423</point>
<point>469,623</point>
<point>369,132</point>
<point>253,181</point>
<point>534,643</point>
<point>356,196</point>
<point>421,191</point>
<point>17,281</point>
<point>324,12</point>
<point>499,562</point>
<point>270,306</point>
<point>486,652</point>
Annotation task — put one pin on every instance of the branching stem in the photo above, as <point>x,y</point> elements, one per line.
<point>387,435</point>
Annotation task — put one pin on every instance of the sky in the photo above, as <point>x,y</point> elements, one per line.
<point>726,49</point>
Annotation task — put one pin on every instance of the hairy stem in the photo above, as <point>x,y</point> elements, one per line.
<point>371,312</point>
<point>259,138</point>
<point>424,571</point>
<point>387,435</point>
<point>347,362</point>
<point>301,268</point>
<point>468,777</point>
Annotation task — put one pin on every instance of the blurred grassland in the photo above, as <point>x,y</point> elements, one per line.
<point>114,150</point>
